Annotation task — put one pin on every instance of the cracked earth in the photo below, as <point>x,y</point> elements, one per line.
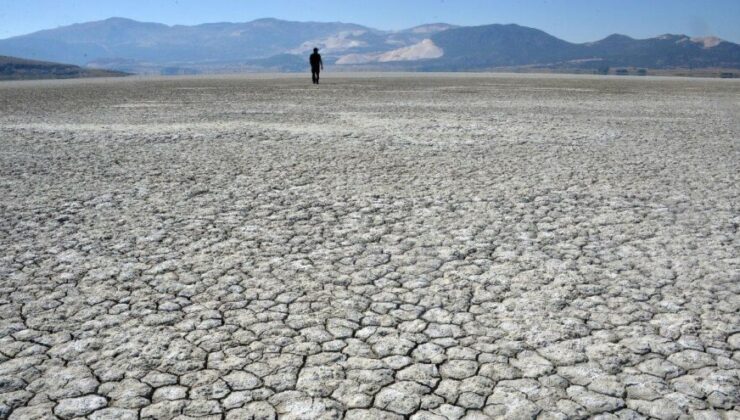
<point>423,247</point>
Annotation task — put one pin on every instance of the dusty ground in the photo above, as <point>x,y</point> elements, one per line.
<point>429,247</point>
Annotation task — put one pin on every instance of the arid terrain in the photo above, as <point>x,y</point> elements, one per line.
<point>376,247</point>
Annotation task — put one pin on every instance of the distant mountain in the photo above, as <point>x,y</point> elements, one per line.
<point>500,46</point>
<point>276,45</point>
<point>118,38</point>
<point>264,44</point>
<point>12,68</point>
<point>497,46</point>
<point>666,51</point>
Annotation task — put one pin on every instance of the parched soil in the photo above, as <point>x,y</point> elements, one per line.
<point>376,247</point>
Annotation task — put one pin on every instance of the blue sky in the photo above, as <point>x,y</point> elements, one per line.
<point>572,20</point>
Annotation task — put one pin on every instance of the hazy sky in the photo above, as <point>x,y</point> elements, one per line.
<point>572,20</point>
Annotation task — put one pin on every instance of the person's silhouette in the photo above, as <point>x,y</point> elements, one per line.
<point>316,65</point>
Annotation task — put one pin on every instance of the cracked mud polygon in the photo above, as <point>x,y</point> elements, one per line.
<point>421,247</point>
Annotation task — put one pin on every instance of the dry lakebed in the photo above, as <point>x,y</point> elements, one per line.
<point>396,246</point>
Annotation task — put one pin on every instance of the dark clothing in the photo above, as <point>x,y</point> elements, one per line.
<point>316,66</point>
<point>316,60</point>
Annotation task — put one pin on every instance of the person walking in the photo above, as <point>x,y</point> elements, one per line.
<point>316,65</point>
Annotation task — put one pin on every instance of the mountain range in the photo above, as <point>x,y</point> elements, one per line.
<point>276,45</point>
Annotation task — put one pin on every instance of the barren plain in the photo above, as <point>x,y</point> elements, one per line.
<point>376,247</point>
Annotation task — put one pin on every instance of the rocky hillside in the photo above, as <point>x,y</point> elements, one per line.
<point>13,68</point>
